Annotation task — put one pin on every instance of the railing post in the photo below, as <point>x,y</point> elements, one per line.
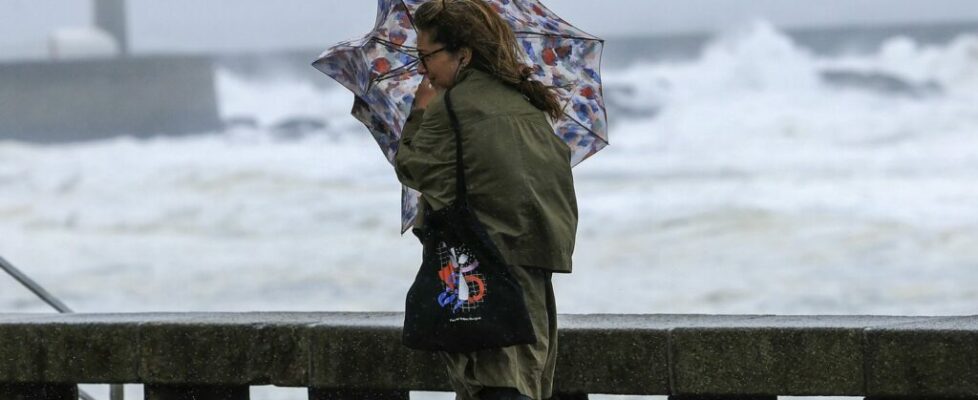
<point>189,392</point>
<point>355,394</point>
<point>117,392</point>
<point>38,391</point>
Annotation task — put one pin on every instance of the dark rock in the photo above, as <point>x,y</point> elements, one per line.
<point>298,127</point>
<point>880,82</point>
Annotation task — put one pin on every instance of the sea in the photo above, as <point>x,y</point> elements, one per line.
<point>751,171</point>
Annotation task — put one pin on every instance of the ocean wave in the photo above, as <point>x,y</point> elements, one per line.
<point>756,58</point>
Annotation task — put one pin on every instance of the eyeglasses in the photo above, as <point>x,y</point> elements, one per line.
<point>423,57</point>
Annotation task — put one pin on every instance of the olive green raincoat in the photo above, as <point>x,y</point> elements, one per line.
<point>517,170</point>
<point>519,184</point>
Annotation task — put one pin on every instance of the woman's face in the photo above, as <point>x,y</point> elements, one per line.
<point>437,63</point>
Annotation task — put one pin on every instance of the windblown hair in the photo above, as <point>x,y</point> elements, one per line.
<point>476,25</point>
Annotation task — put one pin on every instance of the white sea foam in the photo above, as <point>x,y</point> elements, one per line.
<point>751,165</point>
<point>756,187</point>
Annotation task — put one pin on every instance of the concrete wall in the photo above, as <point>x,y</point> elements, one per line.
<point>86,99</point>
<point>701,357</point>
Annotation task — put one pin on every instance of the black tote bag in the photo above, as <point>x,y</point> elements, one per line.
<point>464,297</point>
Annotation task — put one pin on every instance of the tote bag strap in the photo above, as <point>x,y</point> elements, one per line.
<point>460,187</point>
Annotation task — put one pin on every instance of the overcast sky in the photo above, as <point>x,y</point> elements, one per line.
<point>234,25</point>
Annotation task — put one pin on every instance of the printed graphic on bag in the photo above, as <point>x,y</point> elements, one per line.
<point>464,286</point>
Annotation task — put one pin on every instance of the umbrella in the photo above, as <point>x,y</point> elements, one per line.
<point>381,71</point>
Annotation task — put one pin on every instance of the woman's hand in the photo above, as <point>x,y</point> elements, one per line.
<point>423,95</point>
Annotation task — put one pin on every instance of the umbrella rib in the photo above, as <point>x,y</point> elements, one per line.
<point>396,71</point>
<point>407,66</point>
<point>392,73</point>
<point>394,46</point>
<point>407,11</point>
<point>589,130</point>
<point>573,118</point>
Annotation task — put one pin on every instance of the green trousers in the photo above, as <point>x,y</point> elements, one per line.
<point>527,368</point>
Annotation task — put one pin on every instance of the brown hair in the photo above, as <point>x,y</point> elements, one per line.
<point>476,25</point>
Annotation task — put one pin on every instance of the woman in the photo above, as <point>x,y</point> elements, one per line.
<point>517,170</point>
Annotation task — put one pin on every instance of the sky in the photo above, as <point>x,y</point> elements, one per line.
<point>256,25</point>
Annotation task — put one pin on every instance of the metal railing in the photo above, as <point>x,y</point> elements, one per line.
<point>115,391</point>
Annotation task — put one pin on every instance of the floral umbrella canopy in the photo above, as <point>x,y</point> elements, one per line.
<point>381,71</point>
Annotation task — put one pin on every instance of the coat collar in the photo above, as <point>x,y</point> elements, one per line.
<point>471,74</point>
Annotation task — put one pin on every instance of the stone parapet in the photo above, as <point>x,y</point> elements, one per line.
<point>352,355</point>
